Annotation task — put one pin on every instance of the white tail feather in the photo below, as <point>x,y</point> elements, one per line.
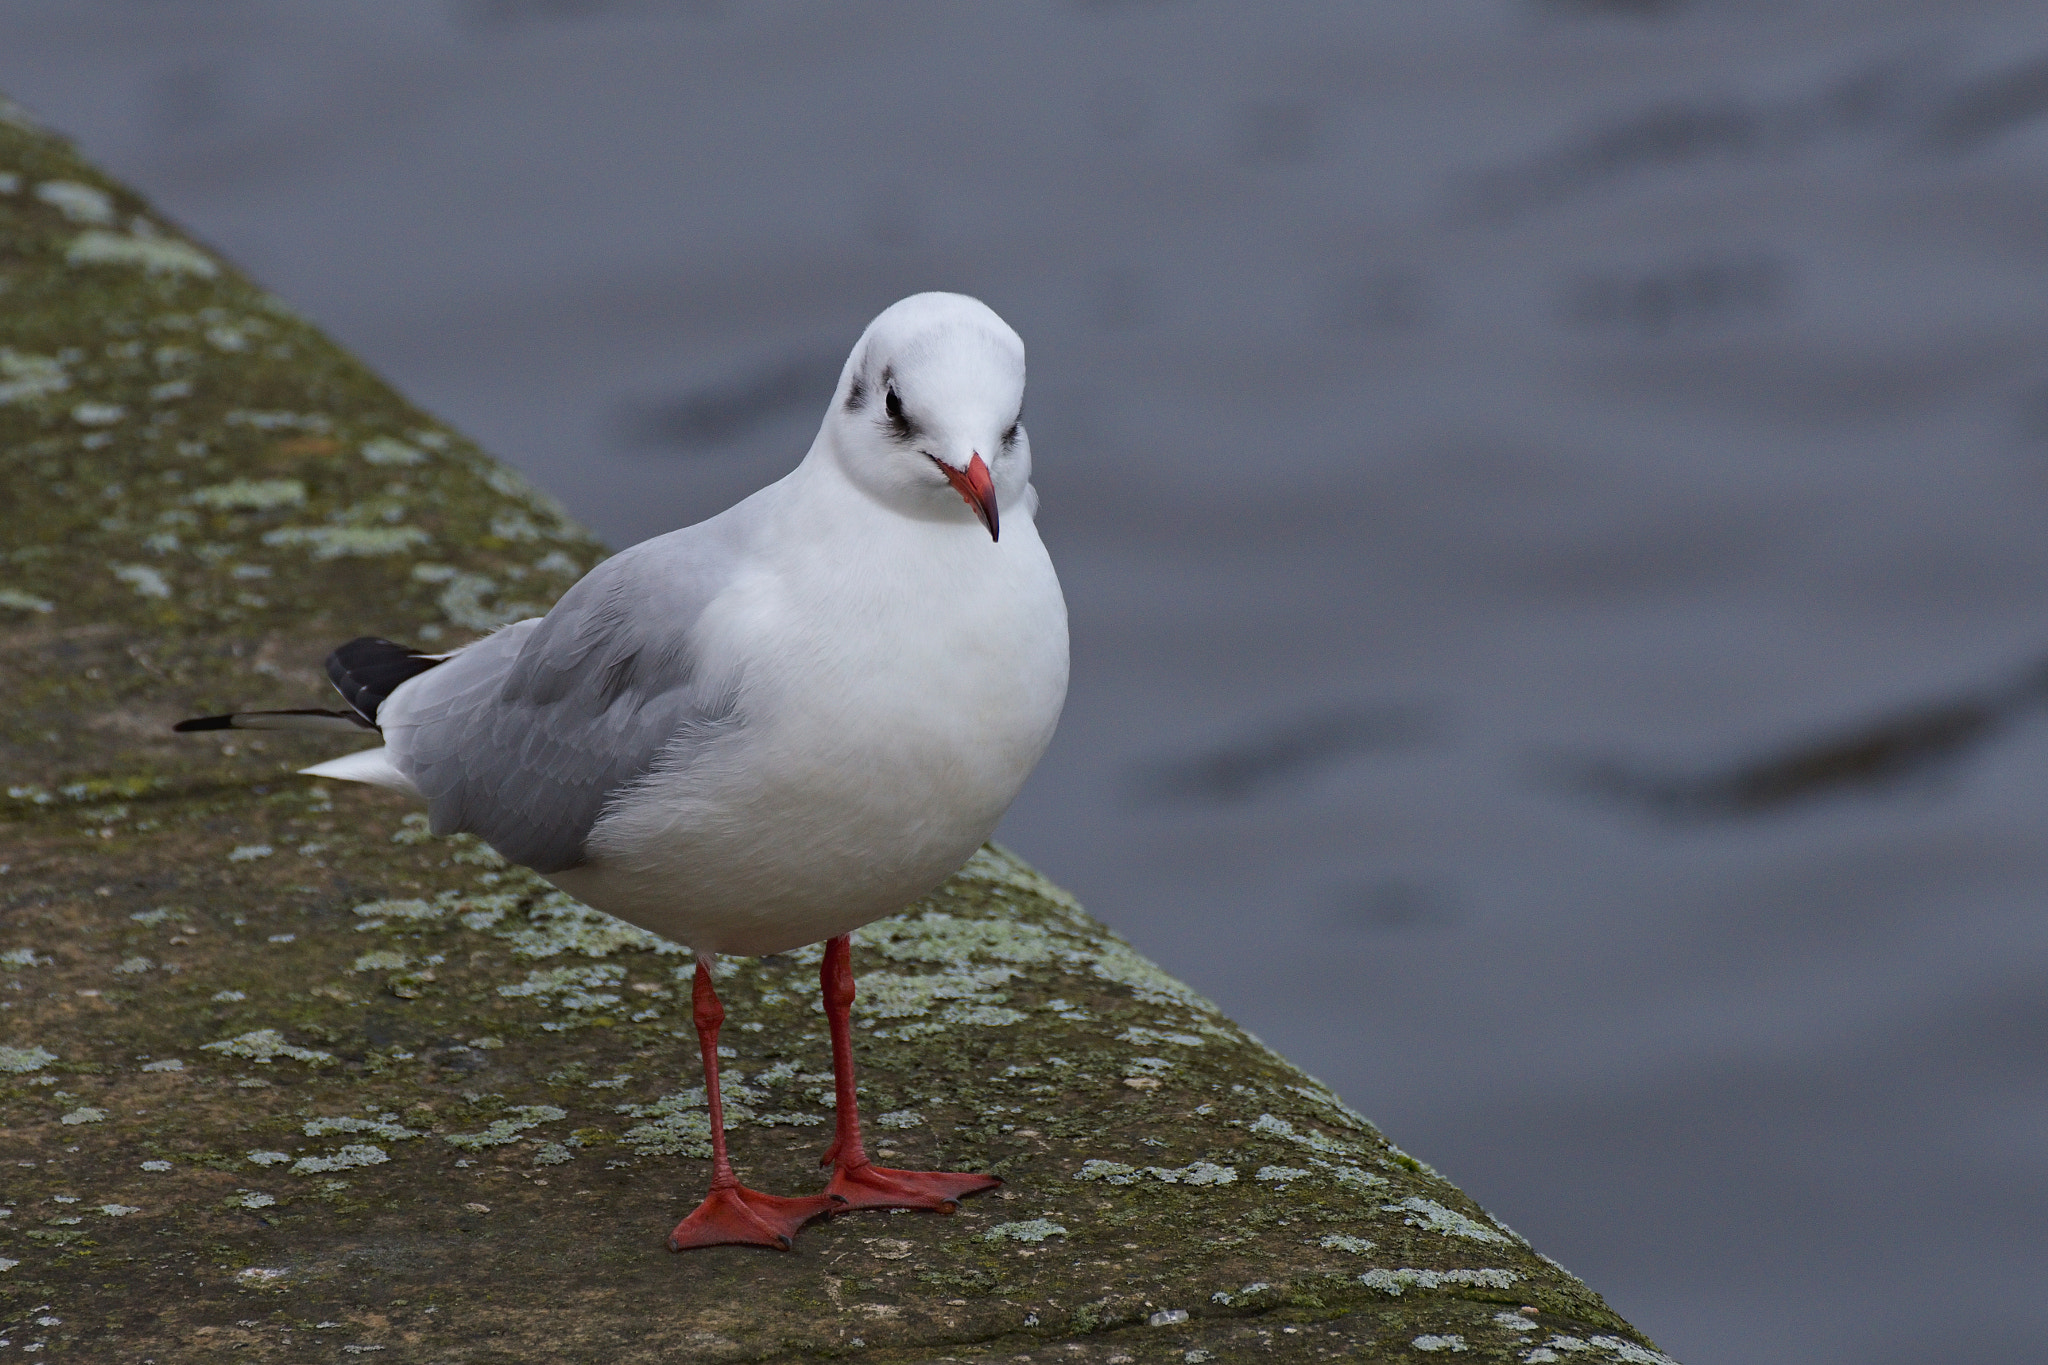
<point>374,766</point>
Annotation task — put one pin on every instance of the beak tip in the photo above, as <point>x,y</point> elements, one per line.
<point>977,489</point>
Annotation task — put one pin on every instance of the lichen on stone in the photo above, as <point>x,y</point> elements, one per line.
<point>26,377</point>
<point>462,601</point>
<point>410,909</point>
<point>1395,1281</point>
<point>1123,965</point>
<point>1281,1175</point>
<point>503,1131</point>
<point>935,936</point>
<point>350,1157</point>
<point>1630,1352</point>
<point>888,995</point>
<point>1194,1173</point>
<point>337,542</point>
<point>573,988</point>
<point>1272,1125</point>
<point>1427,1213</point>
<point>81,203</point>
<point>1148,1037</point>
<point>155,255</point>
<point>250,495</point>
<point>674,1128</point>
<point>997,867</point>
<point>388,451</point>
<point>386,1128</point>
<point>560,923</point>
<point>22,1060</point>
<point>141,577</point>
<point>1029,1230</point>
<point>263,1045</point>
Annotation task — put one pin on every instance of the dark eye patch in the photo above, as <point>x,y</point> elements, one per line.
<point>899,424</point>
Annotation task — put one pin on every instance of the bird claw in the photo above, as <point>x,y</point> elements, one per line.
<point>738,1216</point>
<point>868,1186</point>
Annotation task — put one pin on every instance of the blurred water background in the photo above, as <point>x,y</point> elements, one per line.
<point>1550,494</point>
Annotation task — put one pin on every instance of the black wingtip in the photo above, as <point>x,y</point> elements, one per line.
<point>367,670</point>
<point>186,727</point>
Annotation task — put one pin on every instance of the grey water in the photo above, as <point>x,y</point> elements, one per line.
<point>1551,496</point>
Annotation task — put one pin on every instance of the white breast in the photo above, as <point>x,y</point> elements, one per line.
<point>896,693</point>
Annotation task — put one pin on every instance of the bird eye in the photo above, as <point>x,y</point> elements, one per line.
<point>1010,436</point>
<point>900,425</point>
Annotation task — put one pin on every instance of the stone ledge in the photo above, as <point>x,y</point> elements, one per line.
<point>284,1076</point>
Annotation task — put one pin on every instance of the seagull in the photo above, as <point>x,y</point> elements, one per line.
<point>774,726</point>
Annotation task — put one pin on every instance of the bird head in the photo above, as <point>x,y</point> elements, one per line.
<point>928,417</point>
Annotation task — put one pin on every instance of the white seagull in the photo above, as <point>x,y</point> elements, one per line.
<point>774,726</point>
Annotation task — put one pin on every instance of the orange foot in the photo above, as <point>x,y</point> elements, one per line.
<point>868,1186</point>
<point>738,1216</point>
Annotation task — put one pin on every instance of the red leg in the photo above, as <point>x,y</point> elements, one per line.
<point>732,1214</point>
<point>855,1179</point>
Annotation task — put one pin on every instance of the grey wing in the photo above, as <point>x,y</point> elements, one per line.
<point>523,738</point>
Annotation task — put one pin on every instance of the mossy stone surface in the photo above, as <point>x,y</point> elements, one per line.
<point>284,1078</point>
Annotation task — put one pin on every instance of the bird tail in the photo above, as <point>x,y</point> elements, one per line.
<point>374,766</point>
<point>342,722</point>
<point>365,671</point>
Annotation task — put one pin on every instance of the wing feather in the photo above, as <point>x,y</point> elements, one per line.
<point>524,737</point>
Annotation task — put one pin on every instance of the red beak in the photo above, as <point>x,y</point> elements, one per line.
<point>975,485</point>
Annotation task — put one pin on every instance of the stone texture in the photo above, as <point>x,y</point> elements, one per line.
<point>282,1077</point>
